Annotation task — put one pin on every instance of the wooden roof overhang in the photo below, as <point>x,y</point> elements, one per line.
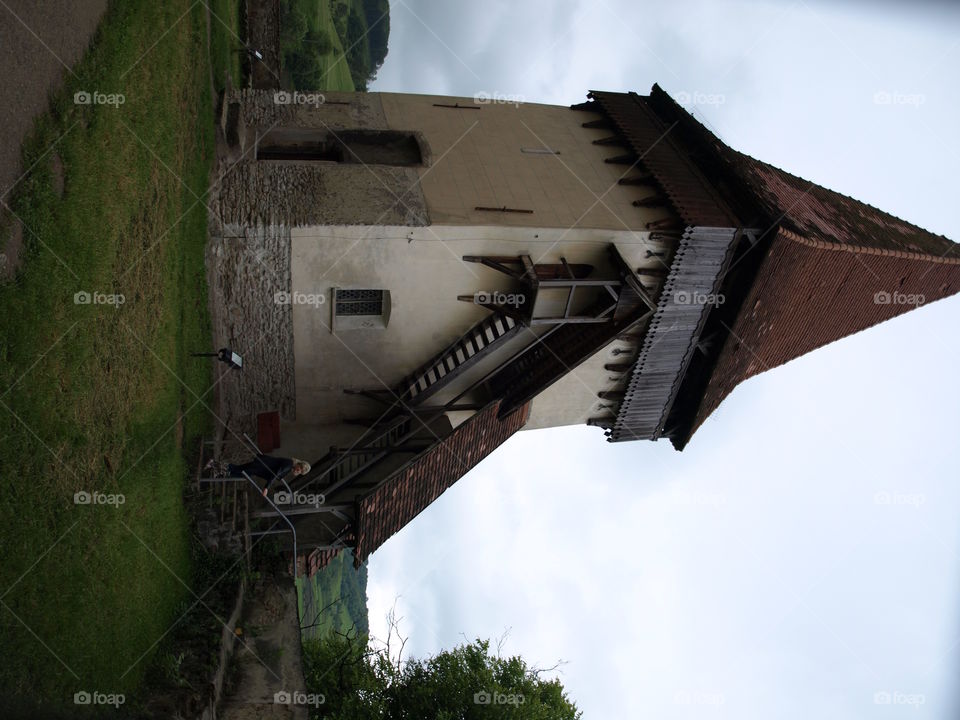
<point>691,290</point>
<point>712,207</point>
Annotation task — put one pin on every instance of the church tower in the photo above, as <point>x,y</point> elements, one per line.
<point>438,273</point>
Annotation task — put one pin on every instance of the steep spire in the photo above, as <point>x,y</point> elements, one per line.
<point>820,265</point>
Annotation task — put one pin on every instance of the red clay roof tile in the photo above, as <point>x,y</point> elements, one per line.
<point>387,509</point>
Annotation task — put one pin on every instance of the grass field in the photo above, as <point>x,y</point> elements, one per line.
<point>102,397</point>
<point>336,72</point>
<point>227,28</point>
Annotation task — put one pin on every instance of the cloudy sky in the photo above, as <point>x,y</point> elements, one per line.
<point>800,558</point>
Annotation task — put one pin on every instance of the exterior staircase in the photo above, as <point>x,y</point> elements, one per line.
<point>477,342</point>
<point>340,466</point>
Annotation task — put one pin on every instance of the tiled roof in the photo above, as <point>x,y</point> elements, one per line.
<point>819,214</point>
<point>809,293</point>
<point>318,559</point>
<point>824,257</point>
<point>411,489</point>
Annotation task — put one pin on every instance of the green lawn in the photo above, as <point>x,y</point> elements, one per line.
<point>227,30</point>
<point>90,394</point>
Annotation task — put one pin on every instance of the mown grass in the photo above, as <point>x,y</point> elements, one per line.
<point>98,397</point>
<point>228,28</point>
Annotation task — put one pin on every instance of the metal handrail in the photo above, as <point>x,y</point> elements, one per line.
<point>343,457</point>
<point>285,519</point>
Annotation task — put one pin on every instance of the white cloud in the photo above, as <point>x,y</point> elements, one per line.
<point>757,565</point>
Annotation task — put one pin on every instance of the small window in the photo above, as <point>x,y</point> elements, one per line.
<point>360,302</point>
<point>360,309</point>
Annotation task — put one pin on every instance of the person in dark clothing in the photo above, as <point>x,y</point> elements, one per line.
<point>267,467</point>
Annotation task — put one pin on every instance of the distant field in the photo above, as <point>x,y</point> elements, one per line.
<point>301,20</point>
<point>334,599</point>
<point>333,44</point>
<point>98,395</point>
<point>336,72</point>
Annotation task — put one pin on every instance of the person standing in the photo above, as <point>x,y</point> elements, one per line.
<point>266,467</point>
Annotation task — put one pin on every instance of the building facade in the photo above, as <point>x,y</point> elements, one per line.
<point>420,277</point>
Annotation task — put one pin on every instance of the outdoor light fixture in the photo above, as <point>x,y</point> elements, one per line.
<point>224,355</point>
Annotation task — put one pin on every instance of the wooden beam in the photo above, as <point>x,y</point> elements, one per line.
<point>612,140</point>
<point>495,263</point>
<point>601,124</point>
<point>504,209</point>
<point>637,180</point>
<point>652,201</point>
<point>563,282</point>
<point>628,159</point>
<point>300,510</point>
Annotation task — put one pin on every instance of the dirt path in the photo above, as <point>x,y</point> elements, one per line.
<point>39,41</point>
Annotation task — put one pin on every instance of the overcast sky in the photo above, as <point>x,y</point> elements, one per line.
<point>800,558</point>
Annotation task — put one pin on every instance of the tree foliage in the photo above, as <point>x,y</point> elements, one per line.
<point>363,30</point>
<point>360,681</point>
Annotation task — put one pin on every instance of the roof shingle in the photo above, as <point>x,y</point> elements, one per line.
<point>404,495</point>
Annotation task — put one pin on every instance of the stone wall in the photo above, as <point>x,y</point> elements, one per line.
<point>246,270</point>
<point>303,194</point>
<point>261,109</point>
<point>269,192</point>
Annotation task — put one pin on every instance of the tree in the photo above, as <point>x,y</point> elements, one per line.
<point>361,680</point>
<point>318,41</point>
<point>293,26</point>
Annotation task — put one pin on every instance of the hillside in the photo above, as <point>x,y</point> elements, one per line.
<point>333,44</point>
<point>335,598</point>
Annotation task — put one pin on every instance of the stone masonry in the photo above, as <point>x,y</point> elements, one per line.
<point>247,271</point>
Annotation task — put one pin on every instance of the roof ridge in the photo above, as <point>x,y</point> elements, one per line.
<point>851,198</point>
<point>866,249</point>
